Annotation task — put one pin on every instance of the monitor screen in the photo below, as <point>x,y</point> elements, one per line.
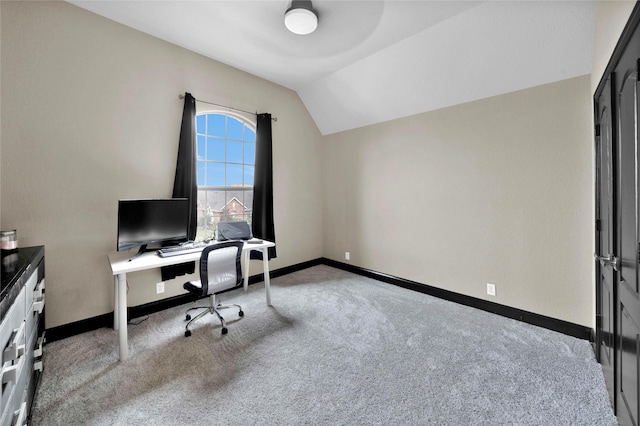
<point>142,222</point>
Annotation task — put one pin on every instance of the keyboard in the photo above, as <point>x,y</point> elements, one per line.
<point>181,249</point>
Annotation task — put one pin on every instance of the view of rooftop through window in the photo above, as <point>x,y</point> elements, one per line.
<point>226,148</point>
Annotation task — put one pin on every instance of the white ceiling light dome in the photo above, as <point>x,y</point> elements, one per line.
<point>300,18</point>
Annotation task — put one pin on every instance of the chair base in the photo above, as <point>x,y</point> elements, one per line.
<point>213,308</point>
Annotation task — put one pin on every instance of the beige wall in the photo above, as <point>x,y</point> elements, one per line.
<point>498,190</point>
<point>0,120</point>
<point>494,191</point>
<point>92,115</point>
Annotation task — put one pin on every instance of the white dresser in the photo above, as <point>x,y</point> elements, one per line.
<point>21,331</point>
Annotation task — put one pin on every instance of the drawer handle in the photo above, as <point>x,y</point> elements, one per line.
<point>12,351</point>
<point>11,372</point>
<point>37,352</point>
<point>38,305</point>
<point>39,290</point>
<point>20,416</point>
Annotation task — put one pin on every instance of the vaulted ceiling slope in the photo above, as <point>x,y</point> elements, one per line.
<point>373,61</point>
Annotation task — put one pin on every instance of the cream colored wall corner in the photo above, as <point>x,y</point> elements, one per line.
<point>493,191</point>
<point>91,115</point>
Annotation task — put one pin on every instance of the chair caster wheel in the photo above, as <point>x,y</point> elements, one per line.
<point>187,318</point>
<point>241,313</point>
<point>224,330</point>
<point>187,333</point>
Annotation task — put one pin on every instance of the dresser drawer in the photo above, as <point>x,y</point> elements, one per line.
<point>15,411</point>
<point>12,348</point>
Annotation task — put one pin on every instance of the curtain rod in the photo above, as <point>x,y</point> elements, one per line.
<point>181,96</point>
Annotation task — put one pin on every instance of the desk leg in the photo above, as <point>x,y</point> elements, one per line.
<point>116,324</point>
<point>121,303</point>
<point>247,261</point>
<point>267,280</point>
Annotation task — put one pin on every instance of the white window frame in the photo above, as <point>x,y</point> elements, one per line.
<point>207,218</point>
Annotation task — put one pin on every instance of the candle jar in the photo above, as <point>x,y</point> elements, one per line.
<point>8,240</point>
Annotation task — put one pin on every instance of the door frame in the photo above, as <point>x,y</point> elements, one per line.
<point>600,168</point>
<point>608,74</point>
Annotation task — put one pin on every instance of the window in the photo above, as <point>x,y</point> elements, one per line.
<point>226,148</point>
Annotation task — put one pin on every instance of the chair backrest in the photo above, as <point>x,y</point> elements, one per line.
<point>220,266</point>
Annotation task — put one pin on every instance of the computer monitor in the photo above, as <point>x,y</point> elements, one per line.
<point>152,221</point>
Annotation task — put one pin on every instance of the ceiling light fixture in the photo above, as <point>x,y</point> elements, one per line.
<point>300,18</point>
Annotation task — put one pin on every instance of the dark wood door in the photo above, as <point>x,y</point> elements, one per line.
<point>605,243</point>
<point>617,116</point>
<point>628,308</point>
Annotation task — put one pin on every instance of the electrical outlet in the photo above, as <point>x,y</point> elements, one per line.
<point>160,287</point>
<point>491,289</point>
<point>347,256</point>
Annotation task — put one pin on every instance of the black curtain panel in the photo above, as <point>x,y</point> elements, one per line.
<point>262,217</point>
<point>185,184</point>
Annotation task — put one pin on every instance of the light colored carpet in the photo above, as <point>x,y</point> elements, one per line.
<point>334,349</point>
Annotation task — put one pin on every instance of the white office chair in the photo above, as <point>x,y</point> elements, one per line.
<point>220,269</point>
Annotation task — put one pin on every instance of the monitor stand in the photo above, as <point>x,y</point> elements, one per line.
<point>143,249</point>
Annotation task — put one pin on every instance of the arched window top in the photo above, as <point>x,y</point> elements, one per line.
<point>237,117</point>
<point>224,140</point>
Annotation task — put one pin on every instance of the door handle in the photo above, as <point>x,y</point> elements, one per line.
<point>609,260</point>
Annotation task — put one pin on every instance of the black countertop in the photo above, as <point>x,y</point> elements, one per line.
<point>14,264</point>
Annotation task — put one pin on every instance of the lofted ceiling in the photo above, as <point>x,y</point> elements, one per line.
<point>373,61</point>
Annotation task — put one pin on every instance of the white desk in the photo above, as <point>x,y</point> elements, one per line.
<point>120,266</point>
